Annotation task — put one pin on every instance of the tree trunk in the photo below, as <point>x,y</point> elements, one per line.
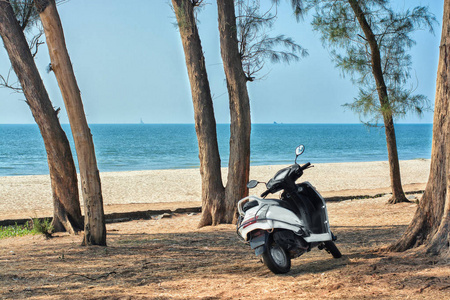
<point>239,162</point>
<point>394,167</point>
<point>213,193</point>
<point>94,219</point>
<point>67,212</point>
<point>431,222</point>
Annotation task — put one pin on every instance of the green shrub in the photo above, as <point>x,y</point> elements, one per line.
<point>15,230</point>
<point>44,227</point>
<point>37,226</point>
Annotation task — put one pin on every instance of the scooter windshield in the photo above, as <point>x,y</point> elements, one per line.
<point>281,174</point>
<point>279,177</point>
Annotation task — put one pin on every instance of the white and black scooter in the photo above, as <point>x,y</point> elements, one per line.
<point>285,228</point>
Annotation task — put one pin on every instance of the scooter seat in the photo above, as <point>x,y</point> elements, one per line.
<point>278,202</point>
<point>249,205</point>
<point>283,204</point>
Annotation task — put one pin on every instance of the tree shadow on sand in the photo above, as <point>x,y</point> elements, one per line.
<point>142,259</point>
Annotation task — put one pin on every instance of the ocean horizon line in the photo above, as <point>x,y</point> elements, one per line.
<point>273,123</point>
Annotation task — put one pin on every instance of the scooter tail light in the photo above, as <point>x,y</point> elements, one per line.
<point>250,222</point>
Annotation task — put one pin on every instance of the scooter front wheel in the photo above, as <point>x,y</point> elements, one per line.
<point>276,258</point>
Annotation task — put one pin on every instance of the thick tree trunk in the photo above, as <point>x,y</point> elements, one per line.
<point>431,222</point>
<point>67,212</point>
<point>94,220</point>
<point>213,193</point>
<point>394,167</point>
<point>239,162</point>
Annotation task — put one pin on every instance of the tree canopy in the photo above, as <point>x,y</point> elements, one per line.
<point>350,50</point>
<point>256,46</point>
<point>28,19</point>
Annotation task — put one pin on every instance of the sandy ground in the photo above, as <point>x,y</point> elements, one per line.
<point>173,259</point>
<point>30,196</point>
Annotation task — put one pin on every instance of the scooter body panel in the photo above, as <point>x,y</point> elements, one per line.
<point>268,217</point>
<point>321,229</point>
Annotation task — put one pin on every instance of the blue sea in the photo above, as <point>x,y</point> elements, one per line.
<point>126,147</point>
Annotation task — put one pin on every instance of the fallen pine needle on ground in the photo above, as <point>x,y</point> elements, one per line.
<point>170,258</point>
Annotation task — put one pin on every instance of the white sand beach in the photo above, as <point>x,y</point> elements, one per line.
<point>30,196</point>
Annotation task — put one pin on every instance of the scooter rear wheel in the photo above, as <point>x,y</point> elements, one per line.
<point>276,258</point>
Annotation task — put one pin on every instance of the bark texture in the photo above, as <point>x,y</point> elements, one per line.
<point>213,192</point>
<point>240,127</point>
<point>67,212</point>
<point>94,220</point>
<point>394,166</point>
<point>431,222</point>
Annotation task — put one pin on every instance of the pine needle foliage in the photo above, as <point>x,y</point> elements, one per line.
<point>350,50</point>
<point>28,19</point>
<point>26,13</point>
<point>44,227</point>
<point>255,44</point>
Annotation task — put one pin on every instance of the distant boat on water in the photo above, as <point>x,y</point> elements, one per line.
<point>141,122</point>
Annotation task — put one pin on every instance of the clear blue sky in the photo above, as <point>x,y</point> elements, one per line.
<point>129,64</point>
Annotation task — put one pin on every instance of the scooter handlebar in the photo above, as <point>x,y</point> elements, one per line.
<point>305,166</point>
<point>294,172</point>
<point>265,193</point>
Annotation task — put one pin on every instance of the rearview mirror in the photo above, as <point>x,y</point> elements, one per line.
<point>299,150</point>
<point>252,183</point>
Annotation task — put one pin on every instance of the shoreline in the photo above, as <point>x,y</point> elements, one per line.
<point>30,195</point>
<point>280,165</point>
